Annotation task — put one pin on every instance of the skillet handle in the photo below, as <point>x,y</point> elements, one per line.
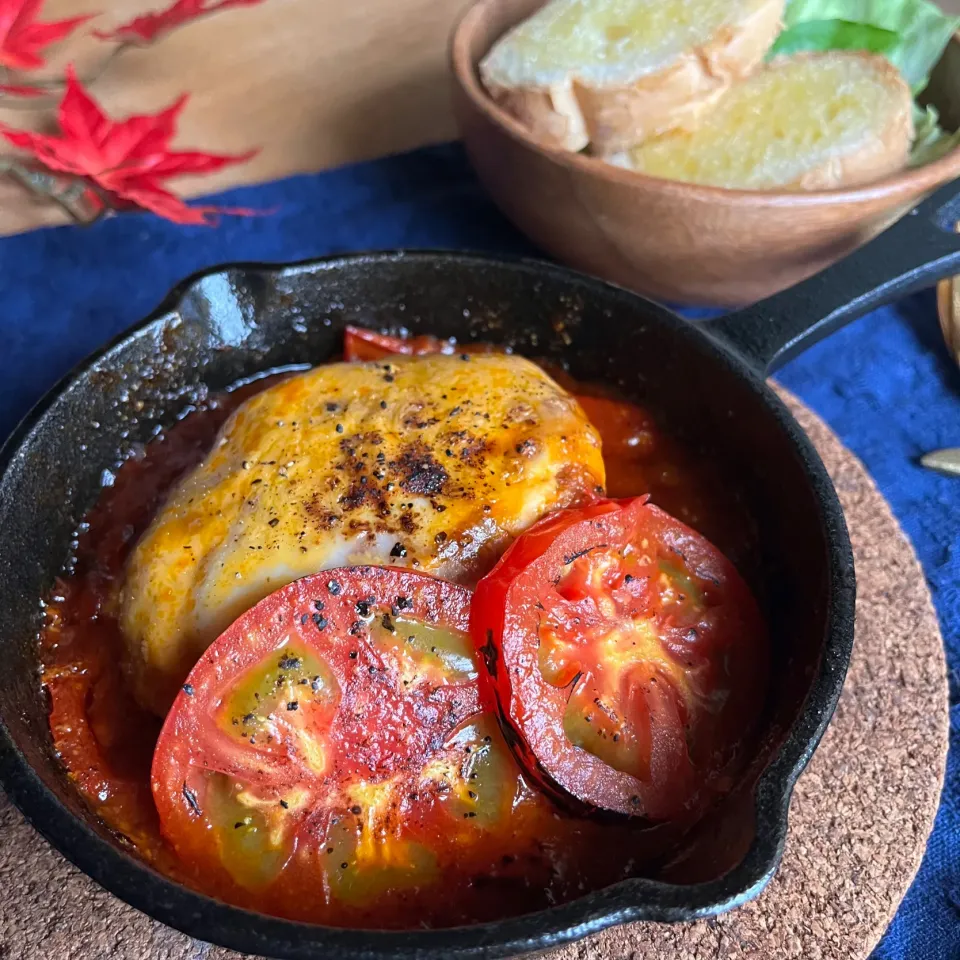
<point>918,250</point>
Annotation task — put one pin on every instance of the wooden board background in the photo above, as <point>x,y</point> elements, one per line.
<point>313,83</point>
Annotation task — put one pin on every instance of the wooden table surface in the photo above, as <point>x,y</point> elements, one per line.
<point>312,83</point>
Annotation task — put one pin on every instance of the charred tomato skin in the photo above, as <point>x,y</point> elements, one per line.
<point>361,344</point>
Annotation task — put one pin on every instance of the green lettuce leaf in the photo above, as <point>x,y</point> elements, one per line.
<point>923,31</point>
<point>931,141</point>
<point>834,35</point>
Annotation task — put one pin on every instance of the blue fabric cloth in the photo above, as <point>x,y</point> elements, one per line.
<point>885,383</point>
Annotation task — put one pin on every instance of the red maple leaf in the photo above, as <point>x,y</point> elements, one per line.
<point>15,90</point>
<point>22,38</point>
<point>146,29</point>
<point>125,161</point>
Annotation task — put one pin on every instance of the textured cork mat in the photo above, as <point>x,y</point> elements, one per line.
<point>859,821</point>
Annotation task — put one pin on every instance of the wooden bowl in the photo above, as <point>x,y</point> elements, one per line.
<point>673,241</point>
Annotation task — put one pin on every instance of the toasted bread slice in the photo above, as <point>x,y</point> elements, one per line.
<point>813,121</point>
<point>611,73</point>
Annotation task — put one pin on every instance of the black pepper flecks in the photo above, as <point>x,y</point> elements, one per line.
<point>420,473</point>
<point>191,799</point>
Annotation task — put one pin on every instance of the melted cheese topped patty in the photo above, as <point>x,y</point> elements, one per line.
<point>429,462</point>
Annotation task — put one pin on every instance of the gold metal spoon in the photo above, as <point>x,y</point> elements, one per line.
<point>943,461</point>
<point>948,306</point>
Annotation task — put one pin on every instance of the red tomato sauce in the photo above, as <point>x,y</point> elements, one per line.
<point>542,856</point>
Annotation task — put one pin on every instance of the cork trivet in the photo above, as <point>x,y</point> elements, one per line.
<point>859,820</point>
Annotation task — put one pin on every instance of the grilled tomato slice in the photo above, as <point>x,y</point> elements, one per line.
<point>329,735</point>
<point>627,655</point>
<point>362,344</point>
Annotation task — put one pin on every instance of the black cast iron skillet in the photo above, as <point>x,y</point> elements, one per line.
<point>706,383</point>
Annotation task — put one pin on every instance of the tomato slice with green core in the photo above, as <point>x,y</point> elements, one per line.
<point>474,776</point>
<point>323,732</point>
<point>627,654</point>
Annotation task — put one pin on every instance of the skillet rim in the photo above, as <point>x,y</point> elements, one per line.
<point>202,917</point>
